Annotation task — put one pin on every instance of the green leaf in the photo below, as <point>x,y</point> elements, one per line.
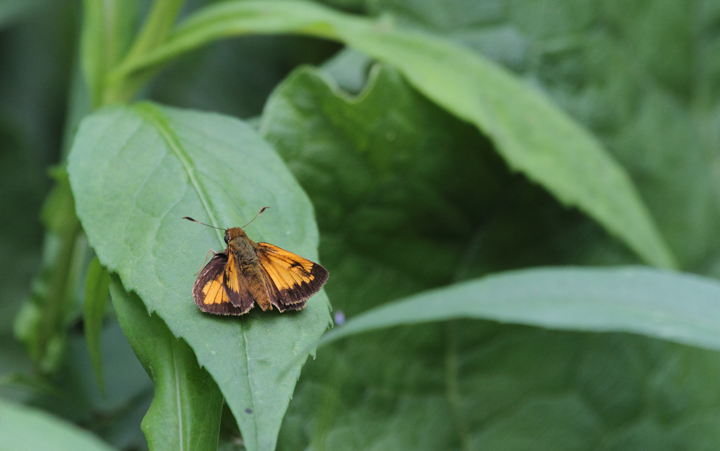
<point>97,293</point>
<point>185,412</point>
<point>23,428</point>
<point>135,173</point>
<point>671,306</point>
<point>399,185</point>
<point>529,132</point>
<point>409,197</point>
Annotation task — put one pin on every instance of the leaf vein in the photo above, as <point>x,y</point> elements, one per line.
<point>152,115</point>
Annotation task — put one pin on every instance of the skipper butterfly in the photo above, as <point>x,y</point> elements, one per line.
<point>248,272</point>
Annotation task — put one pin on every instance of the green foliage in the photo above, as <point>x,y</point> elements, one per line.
<point>630,299</point>
<point>476,138</point>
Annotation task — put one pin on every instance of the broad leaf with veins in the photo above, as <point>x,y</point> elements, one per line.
<point>135,172</point>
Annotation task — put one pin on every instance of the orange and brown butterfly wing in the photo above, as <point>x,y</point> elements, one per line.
<point>236,286</point>
<point>291,279</point>
<point>209,289</point>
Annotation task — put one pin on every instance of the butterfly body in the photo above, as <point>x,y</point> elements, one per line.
<point>245,250</point>
<point>247,273</point>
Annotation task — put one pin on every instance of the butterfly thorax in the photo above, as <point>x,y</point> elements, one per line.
<point>242,251</point>
<point>240,245</point>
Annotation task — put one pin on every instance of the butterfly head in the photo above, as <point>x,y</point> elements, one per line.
<point>234,232</point>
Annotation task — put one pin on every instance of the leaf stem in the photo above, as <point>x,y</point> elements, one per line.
<point>155,31</point>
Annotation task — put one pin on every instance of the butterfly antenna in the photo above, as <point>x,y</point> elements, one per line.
<point>261,210</point>
<point>195,220</point>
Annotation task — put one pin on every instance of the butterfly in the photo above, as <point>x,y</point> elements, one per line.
<point>247,273</point>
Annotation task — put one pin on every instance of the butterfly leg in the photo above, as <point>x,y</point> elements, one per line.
<point>206,259</point>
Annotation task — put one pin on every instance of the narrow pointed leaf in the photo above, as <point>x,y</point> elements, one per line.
<point>678,307</point>
<point>531,134</point>
<point>135,172</point>
<point>185,412</point>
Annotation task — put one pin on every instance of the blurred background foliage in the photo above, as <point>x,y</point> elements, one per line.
<point>433,205</point>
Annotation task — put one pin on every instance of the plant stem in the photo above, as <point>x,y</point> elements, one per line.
<point>155,30</point>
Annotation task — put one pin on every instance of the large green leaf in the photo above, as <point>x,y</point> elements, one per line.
<point>385,162</point>
<point>409,197</point>
<point>26,429</point>
<point>135,172</point>
<point>530,133</point>
<point>185,412</point>
<point>677,307</point>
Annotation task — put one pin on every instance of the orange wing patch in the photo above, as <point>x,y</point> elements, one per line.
<point>232,278</point>
<point>215,292</point>
<point>236,286</point>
